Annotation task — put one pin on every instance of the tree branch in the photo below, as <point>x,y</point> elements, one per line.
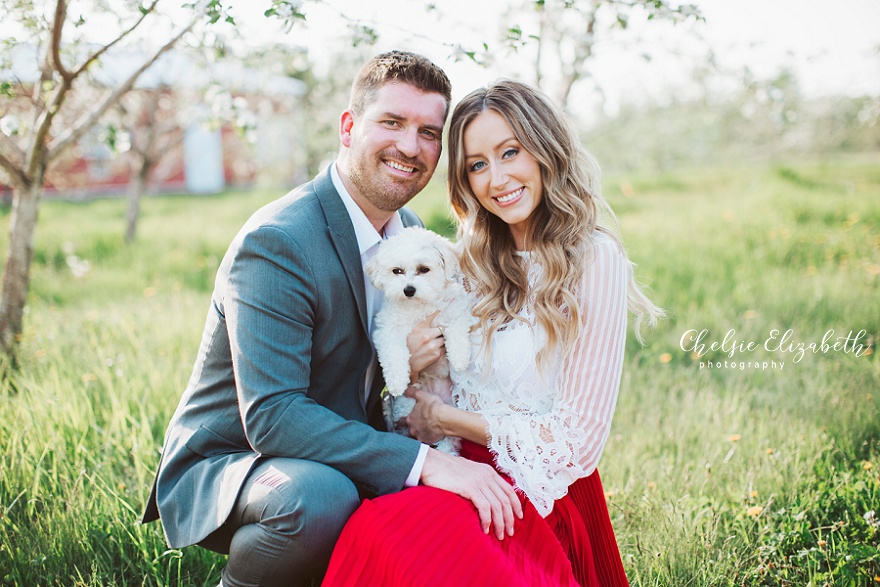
<point>542,30</point>
<point>164,166</point>
<point>55,42</point>
<point>11,150</point>
<point>47,74</point>
<point>42,126</point>
<point>79,129</point>
<point>95,56</point>
<point>19,179</point>
<point>168,142</point>
<point>583,50</point>
<point>166,128</point>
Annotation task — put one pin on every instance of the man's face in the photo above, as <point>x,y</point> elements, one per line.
<point>394,145</point>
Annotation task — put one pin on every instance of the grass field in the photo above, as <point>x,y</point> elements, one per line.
<point>726,476</point>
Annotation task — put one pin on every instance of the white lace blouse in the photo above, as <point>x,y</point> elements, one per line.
<point>548,431</point>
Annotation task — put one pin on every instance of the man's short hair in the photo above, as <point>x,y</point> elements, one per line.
<point>397,66</point>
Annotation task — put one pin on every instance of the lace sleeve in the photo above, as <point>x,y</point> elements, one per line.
<point>545,453</point>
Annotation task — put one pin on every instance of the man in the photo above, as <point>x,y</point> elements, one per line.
<point>280,427</point>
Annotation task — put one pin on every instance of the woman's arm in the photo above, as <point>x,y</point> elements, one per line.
<point>545,453</point>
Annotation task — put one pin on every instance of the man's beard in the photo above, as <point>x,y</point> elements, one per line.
<point>385,192</point>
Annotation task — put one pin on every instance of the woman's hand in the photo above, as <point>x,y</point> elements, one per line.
<point>432,419</point>
<point>424,420</point>
<point>426,344</point>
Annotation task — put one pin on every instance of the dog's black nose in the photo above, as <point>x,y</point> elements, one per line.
<point>409,291</point>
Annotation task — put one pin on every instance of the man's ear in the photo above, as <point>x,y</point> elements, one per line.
<point>346,122</point>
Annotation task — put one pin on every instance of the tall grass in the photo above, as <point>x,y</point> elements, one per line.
<point>721,477</point>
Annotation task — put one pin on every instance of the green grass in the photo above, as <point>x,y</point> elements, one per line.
<point>720,477</point>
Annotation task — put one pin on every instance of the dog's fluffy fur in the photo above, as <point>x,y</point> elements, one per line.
<point>419,273</point>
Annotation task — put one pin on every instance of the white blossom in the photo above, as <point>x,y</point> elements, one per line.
<point>10,125</point>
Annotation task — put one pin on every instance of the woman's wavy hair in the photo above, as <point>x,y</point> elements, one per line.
<point>562,227</point>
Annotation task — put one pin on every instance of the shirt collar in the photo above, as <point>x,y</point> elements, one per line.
<point>366,234</point>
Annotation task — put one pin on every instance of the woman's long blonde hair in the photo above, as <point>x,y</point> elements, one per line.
<point>561,230</point>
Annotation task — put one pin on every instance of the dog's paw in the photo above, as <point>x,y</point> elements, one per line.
<point>394,359</point>
<point>458,348</point>
<point>396,385</point>
<point>396,374</point>
<point>459,357</point>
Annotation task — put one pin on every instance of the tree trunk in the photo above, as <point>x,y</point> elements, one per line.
<point>16,273</point>
<point>136,190</point>
<point>542,31</point>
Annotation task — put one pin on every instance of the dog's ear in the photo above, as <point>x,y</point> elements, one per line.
<point>448,260</point>
<point>373,269</point>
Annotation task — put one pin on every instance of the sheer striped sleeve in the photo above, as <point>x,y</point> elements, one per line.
<point>545,453</point>
<point>591,377</point>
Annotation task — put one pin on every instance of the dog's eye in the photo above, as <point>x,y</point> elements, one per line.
<point>422,270</point>
<point>397,271</point>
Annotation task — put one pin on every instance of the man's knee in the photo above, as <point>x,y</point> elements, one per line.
<point>286,522</point>
<point>304,499</point>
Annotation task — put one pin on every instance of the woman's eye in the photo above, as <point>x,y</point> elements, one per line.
<point>476,165</point>
<point>510,153</point>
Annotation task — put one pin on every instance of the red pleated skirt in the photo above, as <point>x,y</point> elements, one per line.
<point>424,536</point>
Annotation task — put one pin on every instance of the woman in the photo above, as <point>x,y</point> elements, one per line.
<point>551,290</point>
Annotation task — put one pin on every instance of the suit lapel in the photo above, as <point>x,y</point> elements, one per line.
<point>344,240</point>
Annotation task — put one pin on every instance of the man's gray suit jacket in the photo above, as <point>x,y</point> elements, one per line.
<point>280,370</point>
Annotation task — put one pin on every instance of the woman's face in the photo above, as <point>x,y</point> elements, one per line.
<point>504,177</point>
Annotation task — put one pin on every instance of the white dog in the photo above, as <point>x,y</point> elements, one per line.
<point>419,273</point>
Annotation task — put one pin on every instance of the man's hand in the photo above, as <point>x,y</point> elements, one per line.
<point>494,498</point>
<point>426,344</point>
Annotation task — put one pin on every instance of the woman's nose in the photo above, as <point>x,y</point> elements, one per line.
<point>498,178</point>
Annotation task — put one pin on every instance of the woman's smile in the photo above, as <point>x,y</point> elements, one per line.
<point>503,175</point>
